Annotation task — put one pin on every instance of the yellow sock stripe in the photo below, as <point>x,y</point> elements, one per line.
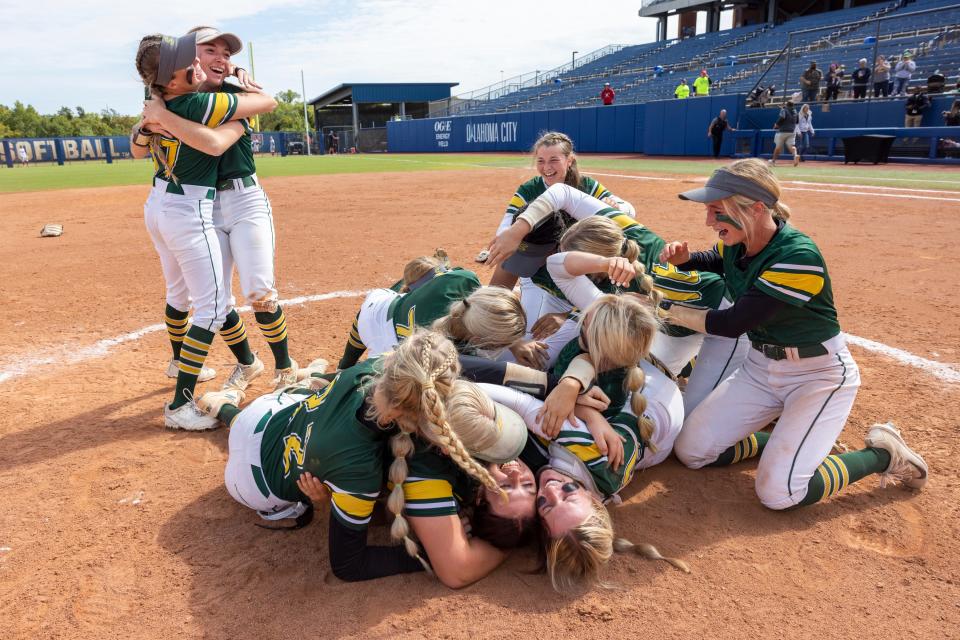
<point>176,322</point>
<point>754,445</point>
<point>192,358</point>
<point>839,471</point>
<point>737,452</point>
<point>280,338</point>
<point>196,344</point>
<point>355,334</point>
<point>275,331</point>
<point>174,338</point>
<point>827,483</point>
<point>271,325</point>
<point>236,340</point>
<point>177,332</point>
<point>229,334</point>
<point>194,371</point>
<point>834,476</point>
<point>356,343</point>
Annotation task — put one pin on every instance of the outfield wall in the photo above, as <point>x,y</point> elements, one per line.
<point>665,127</point>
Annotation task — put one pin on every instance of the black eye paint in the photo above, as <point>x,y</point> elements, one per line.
<point>569,487</point>
<point>190,73</point>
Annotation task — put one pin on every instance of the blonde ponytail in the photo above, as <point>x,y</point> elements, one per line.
<point>648,551</point>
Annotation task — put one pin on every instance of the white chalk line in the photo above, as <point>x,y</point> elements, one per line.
<point>101,348</point>
<point>873,186</point>
<point>939,370</point>
<point>866,176</point>
<point>873,194</point>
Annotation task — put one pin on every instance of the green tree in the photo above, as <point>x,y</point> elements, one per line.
<point>288,116</point>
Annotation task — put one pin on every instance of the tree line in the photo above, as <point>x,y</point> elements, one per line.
<point>24,121</point>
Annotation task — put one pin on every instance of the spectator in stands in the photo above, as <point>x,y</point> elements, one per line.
<point>902,73</point>
<point>951,118</point>
<point>682,91</point>
<point>935,82</point>
<point>861,77</point>
<point>916,105</point>
<point>805,129</point>
<point>810,83</point>
<point>717,126</point>
<point>607,95</point>
<point>701,86</point>
<point>881,78</point>
<point>834,78</point>
<point>786,135</point>
<point>767,95</point>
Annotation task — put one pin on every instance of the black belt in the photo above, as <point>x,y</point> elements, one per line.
<point>173,187</point>
<point>227,185</point>
<point>776,352</point>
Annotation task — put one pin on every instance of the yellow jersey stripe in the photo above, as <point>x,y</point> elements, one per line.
<point>221,102</point>
<point>517,202</point>
<point>625,221</point>
<point>811,283</point>
<point>587,453</point>
<point>427,490</point>
<point>719,248</point>
<point>679,296</point>
<point>359,508</point>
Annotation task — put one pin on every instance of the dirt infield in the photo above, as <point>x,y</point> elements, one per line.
<point>113,527</point>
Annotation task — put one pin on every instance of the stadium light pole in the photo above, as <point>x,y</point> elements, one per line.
<point>306,121</point>
<point>573,60</point>
<point>253,76</point>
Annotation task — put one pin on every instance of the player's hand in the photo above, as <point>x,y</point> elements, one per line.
<point>558,406</point>
<point>594,398</point>
<point>531,354</point>
<point>154,113</point>
<point>313,488</point>
<point>675,253</point>
<point>548,324</point>
<point>609,442</point>
<point>245,80</point>
<point>505,244</point>
<point>620,271</point>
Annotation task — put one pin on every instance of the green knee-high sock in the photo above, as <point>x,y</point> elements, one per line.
<point>176,322</point>
<point>354,349</point>
<point>234,333</point>
<point>274,328</point>
<point>749,447</point>
<point>196,345</point>
<point>839,471</point>
<point>227,413</point>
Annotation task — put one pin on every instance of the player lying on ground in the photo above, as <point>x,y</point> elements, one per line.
<point>242,216</point>
<point>799,370</point>
<point>179,210</point>
<point>480,320</point>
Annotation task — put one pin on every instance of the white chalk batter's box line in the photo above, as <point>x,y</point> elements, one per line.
<point>939,370</point>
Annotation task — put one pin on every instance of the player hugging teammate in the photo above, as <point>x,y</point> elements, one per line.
<point>527,418</point>
<point>196,129</point>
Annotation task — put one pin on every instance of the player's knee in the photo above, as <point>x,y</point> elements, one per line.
<point>773,489</point>
<point>690,450</point>
<point>264,301</point>
<point>179,300</point>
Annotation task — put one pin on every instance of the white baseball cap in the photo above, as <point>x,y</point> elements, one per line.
<point>209,34</point>
<point>511,439</point>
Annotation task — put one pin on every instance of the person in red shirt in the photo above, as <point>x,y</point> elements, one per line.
<point>607,94</point>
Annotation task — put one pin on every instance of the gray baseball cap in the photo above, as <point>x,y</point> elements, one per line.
<point>175,54</point>
<point>209,34</point>
<point>723,184</point>
<point>528,258</point>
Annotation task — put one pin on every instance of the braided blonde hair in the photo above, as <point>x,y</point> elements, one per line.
<point>619,335</point>
<point>489,318</point>
<point>148,63</point>
<point>602,236</point>
<point>417,378</point>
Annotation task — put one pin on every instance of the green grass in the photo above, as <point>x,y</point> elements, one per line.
<point>41,177</point>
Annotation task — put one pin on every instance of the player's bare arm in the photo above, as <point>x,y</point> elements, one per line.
<point>212,141</point>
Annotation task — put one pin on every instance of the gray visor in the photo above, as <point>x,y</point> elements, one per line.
<point>723,184</point>
<point>529,258</point>
<point>175,54</point>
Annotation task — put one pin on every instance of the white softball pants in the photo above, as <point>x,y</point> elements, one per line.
<point>812,398</point>
<point>536,303</point>
<point>243,475</point>
<point>244,222</point>
<point>374,323</point>
<point>181,227</point>
<point>718,358</point>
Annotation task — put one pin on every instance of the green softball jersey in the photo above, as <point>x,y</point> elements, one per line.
<point>237,161</point>
<point>421,307</point>
<point>790,269</point>
<point>535,187</point>
<point>186,163</point>
<point>612,382</point>
<point>322,434</point>
<point>578,441</point>
<point>435,485</point>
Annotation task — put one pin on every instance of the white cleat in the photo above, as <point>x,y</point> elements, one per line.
<point>318,366</point>
<point>243,374</point>
<point>283,378</point>
<point>482,256</point>
<point>188,417</point>
<point>212,401</point>
<point>906,465</point>
<point>206,373</point>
